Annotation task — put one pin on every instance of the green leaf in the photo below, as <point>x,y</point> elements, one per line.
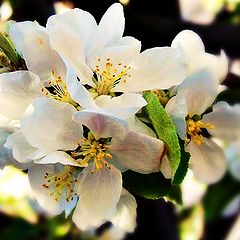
<point>164,128</point>
<point>183,166</point>
<point>175,194</point>
<point>9,50</point>
<point>219,195</point>
<point>232,96</point>
<point>150,186</point>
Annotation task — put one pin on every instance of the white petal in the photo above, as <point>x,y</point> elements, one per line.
<point>18,32</point>
<point>17,91</point>
<point>207,161</point>
<point>166,168</point>
<point>111,26</point>
<point>177,109</point>
<point>217,64</point>
<point>192,190</point>
<point>22,151</point>
<point>125,216</point>
<point>121,53</point>
<point>138,126</point>
<point>155,68</point>
<point>233,158</point>
<point>4,133</point>
<point>200,91</point>
<point>79,23</point>
<point>58,157</point>
<point>5,157</point>
<point>36,175</point>
<point>41,58</point>
<point>226,120</point>
<point>190,42</point>
<point>78,92</point>
<point>47,124</point>
<point>200,12</point>
<point>8,123</point>
<point>99,194</point>
<point>101,124</point>
<point>72,52</point>
<point>125,106</point>
<point>138,152</point>
<point>231,210</point>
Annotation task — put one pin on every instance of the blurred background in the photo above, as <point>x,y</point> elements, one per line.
<point>211,212</point>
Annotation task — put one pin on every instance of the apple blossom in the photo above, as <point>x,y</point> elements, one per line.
<point>187,109</point>
<point>69,163</point>
<point>108,64</point>
<point>198,59</point>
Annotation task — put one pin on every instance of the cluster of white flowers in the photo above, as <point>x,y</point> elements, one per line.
<point>68,113</point>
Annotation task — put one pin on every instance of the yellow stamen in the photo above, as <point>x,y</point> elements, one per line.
<point>109,76</point>
<point>92,150</point>
<point>60,91</point>
<point>63,181</point>
<point>194,130</point>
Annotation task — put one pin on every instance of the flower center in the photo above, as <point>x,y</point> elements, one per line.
<point>58,90</point>
<point>194,130</point>
<point>63,181</point>
<point>108,76</point>
<point>92,150</point>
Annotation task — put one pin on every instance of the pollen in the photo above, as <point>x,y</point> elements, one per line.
<point>92,150</point>
<point>108,75</point>
<point>64,181</point>
<point>194,130</point>
<point>60,91</point>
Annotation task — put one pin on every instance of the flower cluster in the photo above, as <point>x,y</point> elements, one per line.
<point>75,112</point>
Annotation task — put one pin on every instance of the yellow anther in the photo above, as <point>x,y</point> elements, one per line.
<point>194,130</point>
<point>92,150</point>
<point>63,181</point>
<point>109,75</point>
<point>60,91</point>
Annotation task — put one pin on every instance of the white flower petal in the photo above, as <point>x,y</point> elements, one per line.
<point>58,157</point>
<point>41,58</point>
<point>99,194</point>
<point>72,52</point>
<point>192,190</point>
<point>155,68</point>
<point>177,109</point>
<point>138,126</point>
<point>200,91</point>
<point>18,32</point>
<point>111,26</point>
<point>126,214</point>
<point>233,158</point>
<point>226,120</point>
<point>17,91</point>
<point>47,124</point>
<point>8,123</point>
<point>101,124</point>
<point>4,133</point>
<point>121,53</point>
<point>190,42</point>
<point>217,64</point>
<point>138,152</point>
<point>5,157</point>
<point>207,161</point>
<point>78,92</point>
<point>36,175</point>
<point>125,106</point>
<point>79,23</point>
<point>200,12</point>
<point>22,151</point>
<point>166,168</point>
